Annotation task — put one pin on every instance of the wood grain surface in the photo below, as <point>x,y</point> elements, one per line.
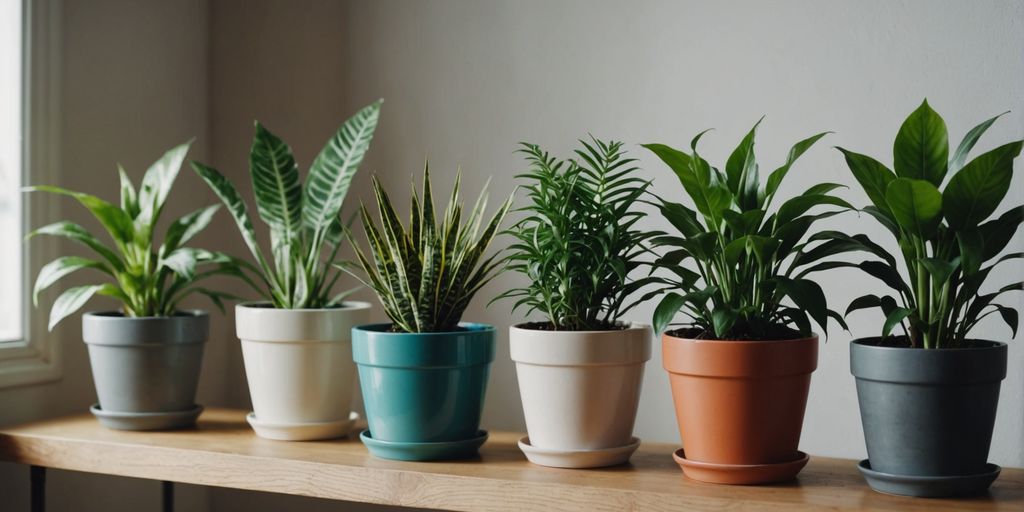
<point>223,451</point>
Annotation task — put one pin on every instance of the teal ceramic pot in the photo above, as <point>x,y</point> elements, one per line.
<point>423,387</point>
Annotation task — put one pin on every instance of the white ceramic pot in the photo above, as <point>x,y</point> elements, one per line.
<point>580,391</point>
<point>299,366</point>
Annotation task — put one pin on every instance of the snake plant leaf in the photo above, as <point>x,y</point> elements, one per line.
<point>333,169</point>
<point>129,199</point>
<point>117,223</point>
<point>275,183</point>
<point>971,138</point>
<point>72,231</point>
<point>873,177</point>
<point>156,185</point>
<point>974,193</point>
<point>60,267</point>
<point>74,298</point>
<point>921,149</point>
<point>915,204</point>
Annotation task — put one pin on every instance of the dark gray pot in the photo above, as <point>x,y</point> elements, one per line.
<point>928,413</point>
<point>145,367</point>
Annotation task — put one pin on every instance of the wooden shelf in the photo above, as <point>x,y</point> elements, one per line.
<point>223,452</point>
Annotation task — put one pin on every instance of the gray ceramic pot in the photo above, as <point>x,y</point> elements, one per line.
<point>146,367</point>
<point>928,413</point>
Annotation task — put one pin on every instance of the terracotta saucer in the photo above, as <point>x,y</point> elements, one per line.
<point>577,459</point>
<point>740,474</point>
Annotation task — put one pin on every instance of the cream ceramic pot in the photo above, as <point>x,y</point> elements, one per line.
<point>299,367</point>
<point>580,389</point>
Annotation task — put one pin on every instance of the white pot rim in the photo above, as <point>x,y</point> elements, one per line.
<point>271,325</point>
<point>628,346</point>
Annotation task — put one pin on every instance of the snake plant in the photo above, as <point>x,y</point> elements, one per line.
<point>940,208</point>
<point>426,273</point>
<point>149,280</point>
<point>303,219</point>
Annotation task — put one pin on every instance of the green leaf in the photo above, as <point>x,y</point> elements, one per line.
<point>807,295</point>
<point>997,233</point>
<point>976,191</point>
<point>275,183</point>
<point>156,185</point>
<point>864,302</point>
<point>960,156</point>
<point>939,269</point>
<point>972,247</point>
<point>921,149</point>
<point>741,171</point>
<point>873,177</point>
<point>75,232</point>
<point>60,267</point>
<point>182,230</point>
<point>894,318</point>
<point>916,205</point>
<point>333,169</point>
<point>798,149</point>
<point>129,200</point>
<point>1010,316</point>
<point>667,308</point>
<point>673,158</point>
<point>115,220</point>
<point>74,298</point>
<point>885,273</point>
<point>799,205</point>
<point>723,320</point>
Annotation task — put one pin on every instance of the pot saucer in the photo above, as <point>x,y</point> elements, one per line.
<point>146,420</point>
<point>399,450</point>
<point>578,459</point>
<point>280,431</point>
<point>929,486</point>
<point>740,474</point>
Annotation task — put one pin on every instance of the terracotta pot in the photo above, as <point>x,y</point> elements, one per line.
<point>740,403</point>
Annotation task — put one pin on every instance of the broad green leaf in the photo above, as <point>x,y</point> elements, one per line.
<point>1010,316</point>
<point>873,177</point>
<point>681,217</point>
<point>799,205</point>
<point>60,267</point>
<point>156,185</point>
<point>74,298</point>
<point>939,269</point>
<point>182,230</point>
<point>741,171</point>
<point>976,191</point>
<point>885,273</point>
<point>921,149</point>
<point>675,159</point>
<point>960,156</point>
<point>798,149</point>
<point>916,205</point>
<point>998,232</point>
<point>275,183</point>
<point>333,169</point>
<point>115,220</point>
<point>129,199</point>
<point>972,250</point>
<point>893,319</point>
<point>864,302</point>
<point>723,320</point>
<point>75,232</point>
<point>807,295</point>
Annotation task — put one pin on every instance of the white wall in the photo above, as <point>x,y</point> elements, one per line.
<point>464,81</point>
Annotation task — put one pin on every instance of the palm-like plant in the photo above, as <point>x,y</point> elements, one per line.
<point>748,260</point>
<point>945,236</point>
<point>148,280</point>
<point>578,244</point>
<point>303,219</point>
<point>426,274</point>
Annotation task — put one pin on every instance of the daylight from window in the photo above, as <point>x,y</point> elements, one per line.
<point>10,171</point>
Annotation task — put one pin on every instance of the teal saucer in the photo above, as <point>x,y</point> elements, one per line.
<point>398,450</point>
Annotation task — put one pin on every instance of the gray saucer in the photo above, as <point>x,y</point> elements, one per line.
<point>929,486</point>
<point>146,420</point>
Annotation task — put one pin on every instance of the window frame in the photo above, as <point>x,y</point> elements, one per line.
<point>36,357</point>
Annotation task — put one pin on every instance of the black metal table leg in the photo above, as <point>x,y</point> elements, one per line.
<point>168,496</point>
<point>37,481</point>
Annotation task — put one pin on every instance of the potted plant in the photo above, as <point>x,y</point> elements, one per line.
<point>146,357</point>
<point>580,369</point>
<point>928,392</point>
<point>296,345</point>
<point>740,370</point>
<point>424,374</point>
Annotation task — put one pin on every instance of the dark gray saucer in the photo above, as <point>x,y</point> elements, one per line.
<point>929,486</point>
<point>146,420</point>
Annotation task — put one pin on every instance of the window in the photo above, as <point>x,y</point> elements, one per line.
<point>11,219</point>
<point>28,148</point>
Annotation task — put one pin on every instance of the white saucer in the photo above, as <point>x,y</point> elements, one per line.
<point>302,431</point>
<point>577,459</point>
